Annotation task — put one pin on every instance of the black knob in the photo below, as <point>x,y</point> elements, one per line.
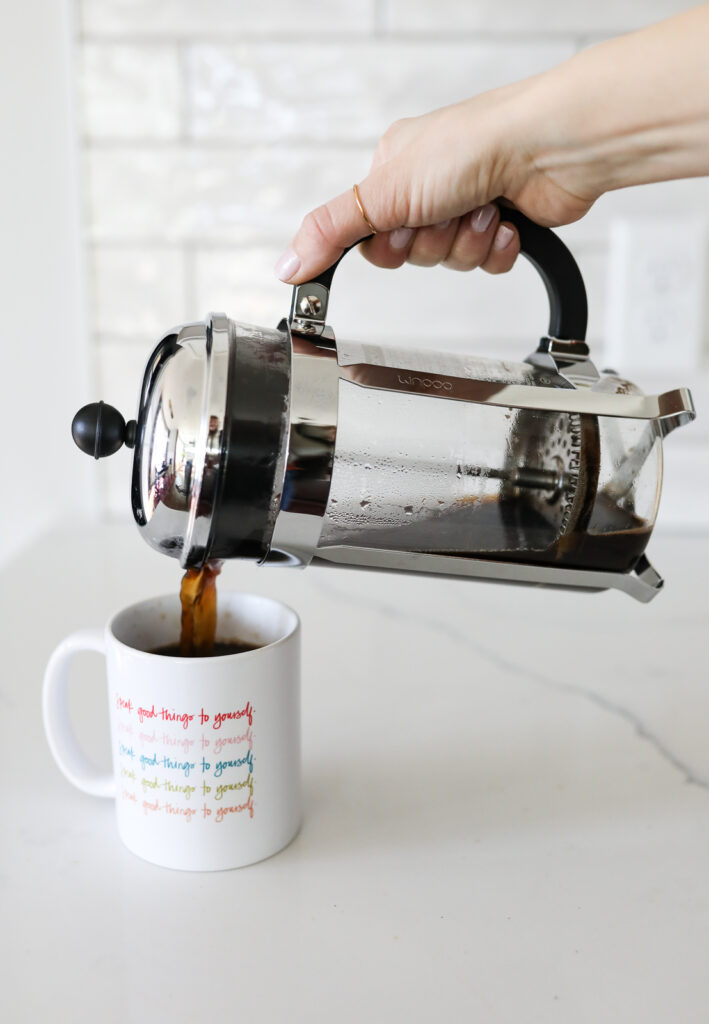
<point>100,430</point>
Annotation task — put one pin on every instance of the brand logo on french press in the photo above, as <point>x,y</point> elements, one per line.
<point>426,382</point>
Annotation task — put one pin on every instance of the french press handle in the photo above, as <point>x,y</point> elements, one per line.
<point>568,308</point>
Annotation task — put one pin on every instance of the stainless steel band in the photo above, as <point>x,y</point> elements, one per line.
<point>310,452</point>
<point>201,512</point>
<point>182,411</point>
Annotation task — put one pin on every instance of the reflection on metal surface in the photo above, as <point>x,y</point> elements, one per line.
<point>570,359</point>
<point>673,406</point>
<point>643,583</point>
<point>178,464</point>
<point>311,451</point>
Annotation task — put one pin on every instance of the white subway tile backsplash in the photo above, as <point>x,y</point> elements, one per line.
<point>128,92</point>
<point>138,293</point>
<point>240,282</point>
<point>516,16</point>
<point>179,193</point>
<point>155,18</point>
<point>342,92</point>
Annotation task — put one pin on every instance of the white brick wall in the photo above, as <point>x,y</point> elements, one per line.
<point>198,192</point>
<point>154,19</point>
<point>541,17</point>
<point>209,128</point>
<point>130,92</point>
<point>343,92</point>
<point>137,291</point>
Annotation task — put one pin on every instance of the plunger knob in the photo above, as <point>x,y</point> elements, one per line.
<point>100,430</point>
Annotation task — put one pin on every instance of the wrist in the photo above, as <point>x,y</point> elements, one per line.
<point>629,111</point>
<point>576,140</point>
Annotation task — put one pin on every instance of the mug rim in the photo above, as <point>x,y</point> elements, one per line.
<point>212,658</point>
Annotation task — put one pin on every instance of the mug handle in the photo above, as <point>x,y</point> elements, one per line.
<point>63,744</point>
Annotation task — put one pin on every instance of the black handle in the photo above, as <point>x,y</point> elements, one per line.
<point>568,308</point>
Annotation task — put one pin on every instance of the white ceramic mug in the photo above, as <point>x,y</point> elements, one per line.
<point>206,751</point>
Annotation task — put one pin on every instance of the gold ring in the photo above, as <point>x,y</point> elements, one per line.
<point>365,218</point>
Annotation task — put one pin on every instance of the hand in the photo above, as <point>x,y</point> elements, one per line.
<point>430,187</point>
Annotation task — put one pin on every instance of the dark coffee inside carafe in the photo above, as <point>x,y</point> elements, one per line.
<point>510,530</point>
<point>616,543</point>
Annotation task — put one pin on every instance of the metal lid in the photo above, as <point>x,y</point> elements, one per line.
<point>179,442</point>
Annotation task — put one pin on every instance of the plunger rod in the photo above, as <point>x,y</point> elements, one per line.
<point>537,479</point>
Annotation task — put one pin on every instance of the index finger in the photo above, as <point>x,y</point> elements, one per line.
<point>329,229</point>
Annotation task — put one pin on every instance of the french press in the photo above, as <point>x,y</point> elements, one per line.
<point>288,447</point>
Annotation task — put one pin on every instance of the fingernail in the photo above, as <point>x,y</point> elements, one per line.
<point>503,237</point>
<point>442,224</point>
<point>481,219</point>
<point>287,265</point>
<point>400,238</point>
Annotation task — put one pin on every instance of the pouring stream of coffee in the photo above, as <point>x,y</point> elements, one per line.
<point>198,597</point>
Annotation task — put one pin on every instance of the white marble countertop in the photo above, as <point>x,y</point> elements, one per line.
<point>506,810</point>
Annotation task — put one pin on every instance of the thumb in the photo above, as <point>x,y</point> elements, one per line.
<point>327,231</point>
